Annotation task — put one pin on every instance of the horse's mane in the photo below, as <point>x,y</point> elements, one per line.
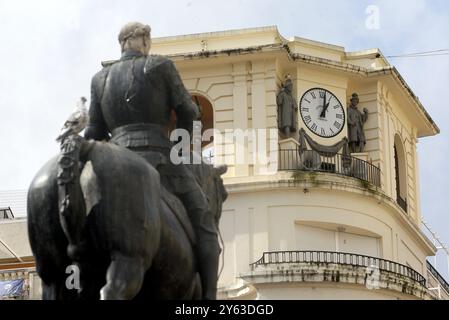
<point>201,172</point>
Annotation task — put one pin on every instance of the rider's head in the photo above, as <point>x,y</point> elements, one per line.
<point>135,36</point>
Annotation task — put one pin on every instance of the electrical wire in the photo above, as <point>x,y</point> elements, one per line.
<point>440,52</point>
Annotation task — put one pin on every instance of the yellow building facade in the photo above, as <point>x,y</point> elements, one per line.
<point>299,233</point>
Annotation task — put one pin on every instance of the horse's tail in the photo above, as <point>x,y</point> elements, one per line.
<point>72,210</point>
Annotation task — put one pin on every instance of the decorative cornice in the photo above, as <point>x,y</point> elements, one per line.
<point>323,62</point>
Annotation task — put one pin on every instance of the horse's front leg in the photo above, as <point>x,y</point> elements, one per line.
<point>56,290</point>
<point>50,291</point>
<point>124,278</point>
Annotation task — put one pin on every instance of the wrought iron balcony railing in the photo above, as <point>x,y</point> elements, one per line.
<point>277,257</point>
<point>309,160</point>
<point>438,276</point>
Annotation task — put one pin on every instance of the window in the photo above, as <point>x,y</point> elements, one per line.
<point>400,173</point>
<point>333,239</point>
<point>207,122</point>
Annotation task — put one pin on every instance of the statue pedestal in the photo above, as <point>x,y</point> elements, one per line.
<point>288,144</point>
<point>288,154</point>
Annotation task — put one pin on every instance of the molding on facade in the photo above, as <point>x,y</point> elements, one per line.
<point>338,275</point>
<point>241,291</point>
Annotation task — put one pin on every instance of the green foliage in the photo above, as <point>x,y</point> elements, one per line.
<point>307,176</point>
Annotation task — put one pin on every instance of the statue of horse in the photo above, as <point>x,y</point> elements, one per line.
<point>110,216</point>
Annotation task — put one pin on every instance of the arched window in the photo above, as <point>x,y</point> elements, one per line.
<point>207,122</point>
<point>207,115</point>
<point>400,173</point>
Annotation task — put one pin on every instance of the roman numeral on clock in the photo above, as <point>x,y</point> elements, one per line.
<point>339,116</point>
<point>337,125</point>
<point>323,132</point>
<point>314,127</point>
<point>307,119</point>
<point>313,94</point>
<point>305,109</point>
<point>321,94</point>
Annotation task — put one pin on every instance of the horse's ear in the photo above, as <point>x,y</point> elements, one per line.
<point>221,169</point>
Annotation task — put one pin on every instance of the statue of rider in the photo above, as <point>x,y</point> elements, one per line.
<point>132,100</point>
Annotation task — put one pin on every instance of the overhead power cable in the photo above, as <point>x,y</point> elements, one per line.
<point>440,52</point>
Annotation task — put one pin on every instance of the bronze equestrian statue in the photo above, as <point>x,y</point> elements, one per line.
<point>121,210</point>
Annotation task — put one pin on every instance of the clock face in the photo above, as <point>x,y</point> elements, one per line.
<point>322,112</point>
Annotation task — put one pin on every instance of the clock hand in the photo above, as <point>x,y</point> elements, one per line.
<point>322,114</point>
<point>325,106</point>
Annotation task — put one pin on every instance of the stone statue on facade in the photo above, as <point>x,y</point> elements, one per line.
<point>356,120</point>
<point>137,225</point>
<point>287,109</point>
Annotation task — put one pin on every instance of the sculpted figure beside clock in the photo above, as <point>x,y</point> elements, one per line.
<point>287,109</point>
<point>356,119</point>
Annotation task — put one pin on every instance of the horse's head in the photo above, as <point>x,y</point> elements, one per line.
<point>209,178</point>
<point>217,173</point>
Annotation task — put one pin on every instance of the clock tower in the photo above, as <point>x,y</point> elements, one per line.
<point>331,222</point>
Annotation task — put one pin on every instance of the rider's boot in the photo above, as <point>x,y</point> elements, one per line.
<point>208,252</point>
<point>208,249</point>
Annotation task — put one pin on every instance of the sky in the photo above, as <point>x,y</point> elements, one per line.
<point>49,51</point>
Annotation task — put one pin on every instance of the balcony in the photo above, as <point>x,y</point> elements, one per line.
<point>338,258</point>
<point>346,165</point>
<point>442,283</point>
<point>374,277</point>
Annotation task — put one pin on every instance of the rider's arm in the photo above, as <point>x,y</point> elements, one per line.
<point>96,129</point>
<point>186,110</point>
